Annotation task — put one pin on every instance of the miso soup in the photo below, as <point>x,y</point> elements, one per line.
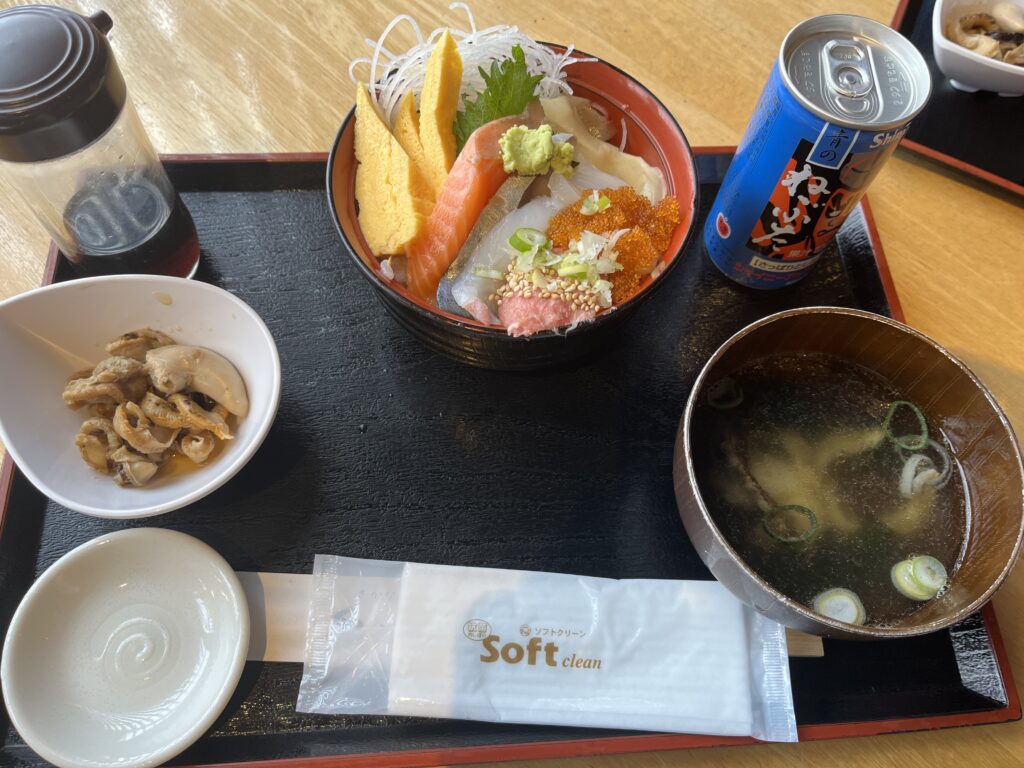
<point>831,485</point>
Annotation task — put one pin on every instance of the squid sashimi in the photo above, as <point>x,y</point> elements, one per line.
<point>485,269</point>
<point>477,174</point>
<point>568,190</point>
<point>646,180</point>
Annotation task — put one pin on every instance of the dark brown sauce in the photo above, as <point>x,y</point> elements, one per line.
<point>128,228</point>
<point>179,465</point>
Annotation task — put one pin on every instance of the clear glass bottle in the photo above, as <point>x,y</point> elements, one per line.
<point>73,146</point>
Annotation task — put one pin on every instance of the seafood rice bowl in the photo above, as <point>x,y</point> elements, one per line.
<point>510,201</point>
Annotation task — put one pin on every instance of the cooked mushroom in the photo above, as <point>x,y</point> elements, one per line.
<point>178,368</point>
<point>114,380</point>
<point>197,446</point>
<point>199,419</point>
<point>131,468</point>
<point>1009,16</point>
<point>159,411</point>
<point>96,441</point>
<point>85,373</point>
<point>135,344</point>
<point>1015,55</point>
<point>151,400</point>
<point>103,410</point>
<point>139,432</point>
<point>971,32</point>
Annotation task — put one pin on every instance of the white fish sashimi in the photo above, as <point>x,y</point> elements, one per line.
<point>586,176</point>
<point>472,291</point>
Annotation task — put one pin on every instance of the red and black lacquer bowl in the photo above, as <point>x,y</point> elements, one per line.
<point>651,132</point>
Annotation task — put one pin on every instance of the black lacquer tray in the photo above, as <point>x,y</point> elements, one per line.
<point>382,449</point>
<point>977,133</point>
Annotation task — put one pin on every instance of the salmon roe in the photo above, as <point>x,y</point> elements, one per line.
<point>637,256</point>
<point>650,232</point>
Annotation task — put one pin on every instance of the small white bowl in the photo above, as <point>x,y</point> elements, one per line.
<point>969,71</point>
<point>125,650</point>
<point>49,333</point>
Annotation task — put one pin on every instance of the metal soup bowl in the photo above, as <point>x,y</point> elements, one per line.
<point>985,451</point>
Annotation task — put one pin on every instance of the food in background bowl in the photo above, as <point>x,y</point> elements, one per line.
<point>62,328</point>
<point>155,407</point>
<point>832,485</point>
<point>980,45</point>
<point>997,35</point>
<point>505,201</point>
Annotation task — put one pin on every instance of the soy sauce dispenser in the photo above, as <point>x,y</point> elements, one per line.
<point>72,144</point>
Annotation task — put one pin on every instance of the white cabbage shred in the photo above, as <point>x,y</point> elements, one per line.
<point>391,75</point>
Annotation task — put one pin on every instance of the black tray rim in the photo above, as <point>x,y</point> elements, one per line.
<point>602,745</point>
<point>898,19</point>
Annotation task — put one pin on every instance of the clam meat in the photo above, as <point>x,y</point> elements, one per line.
<point>998,34</point>
<point>153,399</point>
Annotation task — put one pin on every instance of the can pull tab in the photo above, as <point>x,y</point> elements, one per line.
<point>849,73</point>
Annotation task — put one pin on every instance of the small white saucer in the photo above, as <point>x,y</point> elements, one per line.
<point>125,650</point>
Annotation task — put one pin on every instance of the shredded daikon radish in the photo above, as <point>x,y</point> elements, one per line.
<point>622,141</point>
<point>478,48</point>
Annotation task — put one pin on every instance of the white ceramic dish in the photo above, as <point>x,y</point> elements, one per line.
<point>49,333</point>
<point>967,70</point>
<point>125,650</point>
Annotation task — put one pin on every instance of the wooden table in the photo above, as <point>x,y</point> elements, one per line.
<point>264,76</point>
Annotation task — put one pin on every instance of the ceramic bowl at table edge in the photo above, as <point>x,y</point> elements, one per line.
<point>226,609</point>
<point>471,342</point>
<point>968,70</point>
<point>949,387</point>
<point>43,446</point>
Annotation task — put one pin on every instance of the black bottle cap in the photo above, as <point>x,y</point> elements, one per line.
<point>60,88</point>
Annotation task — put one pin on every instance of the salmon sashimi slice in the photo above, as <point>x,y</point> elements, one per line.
<point>475,177</point>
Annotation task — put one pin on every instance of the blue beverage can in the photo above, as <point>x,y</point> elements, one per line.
<point>840,97</point>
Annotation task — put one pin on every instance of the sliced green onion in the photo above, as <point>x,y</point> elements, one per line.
<point>524,261</point>
<point>593,204</point>
<point>929,573</point>
<point>917,471</point>
<point>947,465</point>
<point>790,523</point>
<point>725,393</point>
<point>527,238</point>
<point>574,270</point>
<point>902,575</point>
<point>491,274</point>
<point>842,605</point>
<point>906,442</point>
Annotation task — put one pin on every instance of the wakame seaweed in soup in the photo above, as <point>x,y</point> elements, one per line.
<point>831,485</point>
